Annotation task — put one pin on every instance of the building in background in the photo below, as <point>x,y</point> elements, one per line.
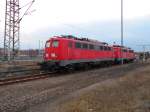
<point>27,54</point>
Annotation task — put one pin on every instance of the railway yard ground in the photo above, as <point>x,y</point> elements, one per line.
<point>124,88</point>
<point>18,68</point>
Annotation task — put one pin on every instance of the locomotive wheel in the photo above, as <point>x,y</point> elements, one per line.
<point>71,68</point>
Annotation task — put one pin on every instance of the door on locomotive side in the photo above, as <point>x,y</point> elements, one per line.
<point>70,50</point>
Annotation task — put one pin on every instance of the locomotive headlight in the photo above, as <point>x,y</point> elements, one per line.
<point>46,55</point>
<point>53,55</point>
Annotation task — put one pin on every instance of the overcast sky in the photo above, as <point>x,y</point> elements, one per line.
<point>97,19</point>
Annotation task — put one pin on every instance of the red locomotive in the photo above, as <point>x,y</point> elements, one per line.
<point>69,51</point>
<point>124,53</point>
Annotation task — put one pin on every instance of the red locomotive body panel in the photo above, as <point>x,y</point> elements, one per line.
<point>123,53</point>
<point>69,49</point>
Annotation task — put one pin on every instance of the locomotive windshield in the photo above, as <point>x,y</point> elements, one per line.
<point>47,44</point>
<point>55,43</point>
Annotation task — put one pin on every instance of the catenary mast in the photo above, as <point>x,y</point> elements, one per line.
<point>12,29</point>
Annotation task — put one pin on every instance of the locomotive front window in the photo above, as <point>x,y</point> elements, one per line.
<point>47,44</point>
<point>55,43</point>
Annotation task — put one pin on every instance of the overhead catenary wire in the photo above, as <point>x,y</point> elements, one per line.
<point>25,13</point>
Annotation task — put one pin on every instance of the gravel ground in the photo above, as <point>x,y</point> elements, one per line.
<point>129,93</point>
<point>42,95</point>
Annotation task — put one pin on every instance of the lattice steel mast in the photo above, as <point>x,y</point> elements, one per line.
<point>12,29</point>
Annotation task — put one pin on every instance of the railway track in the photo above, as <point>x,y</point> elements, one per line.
<point>24,78</point>
<point>8,81</point>
<point>23,74</point>
<point>18,71</point>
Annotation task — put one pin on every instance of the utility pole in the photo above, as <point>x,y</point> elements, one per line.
<point>12,28</point>
<point>122,31</point>
<point>39,47</point>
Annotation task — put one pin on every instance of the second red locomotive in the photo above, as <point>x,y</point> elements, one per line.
<point>68,51</point>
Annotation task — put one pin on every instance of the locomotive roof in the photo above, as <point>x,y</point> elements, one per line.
<point>70,37</point>
<point>122,47</point>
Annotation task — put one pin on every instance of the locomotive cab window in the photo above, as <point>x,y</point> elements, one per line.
<point>55,43</point>
<point>47,44</point>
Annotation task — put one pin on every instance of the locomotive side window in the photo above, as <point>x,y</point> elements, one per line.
<point>131,51</point>
<point>47,44</point>
<point>55,43</point>
<point>91,46</point>
<point>78,45</point>
<point>125,50</point>
<point>96,47</point>
<point>101,48</point>
<point>84,46</point>
<point>105,48</point>
<point>109,48</point>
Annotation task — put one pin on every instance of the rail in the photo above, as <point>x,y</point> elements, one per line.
<point>16,71</point>
<point>18,79</point>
